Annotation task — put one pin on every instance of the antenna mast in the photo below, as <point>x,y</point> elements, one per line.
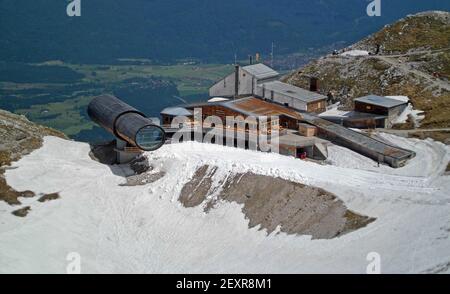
<point>271,54</point>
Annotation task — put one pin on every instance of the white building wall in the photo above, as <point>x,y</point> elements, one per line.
<point>247,83</point>
<point>223,88</point>
<point>226,87</point>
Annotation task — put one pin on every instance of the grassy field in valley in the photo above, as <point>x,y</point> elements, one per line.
<point>60,102</point>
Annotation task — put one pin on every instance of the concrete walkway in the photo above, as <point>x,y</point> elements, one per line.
<point>405,132</point>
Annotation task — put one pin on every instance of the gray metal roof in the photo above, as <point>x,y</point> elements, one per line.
<point>380,101</point>
<point>358,139</point>
<point>176,111</point>
<point>293,91</point>
<point>261,71</point>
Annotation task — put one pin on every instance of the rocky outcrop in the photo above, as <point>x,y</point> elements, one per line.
<point>273,203</point>
<point>18,137</point>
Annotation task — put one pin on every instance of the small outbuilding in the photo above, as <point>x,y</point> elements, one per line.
<point>391,108</point>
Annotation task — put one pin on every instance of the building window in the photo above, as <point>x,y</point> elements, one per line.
<point>368,107</point>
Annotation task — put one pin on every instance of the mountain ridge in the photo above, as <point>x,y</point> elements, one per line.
<point>407,64</point>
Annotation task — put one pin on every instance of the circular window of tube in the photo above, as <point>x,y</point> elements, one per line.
<point>150,138</point>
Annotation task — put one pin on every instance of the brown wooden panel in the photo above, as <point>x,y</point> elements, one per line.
<point>317,106</point>
<point>370,108</point>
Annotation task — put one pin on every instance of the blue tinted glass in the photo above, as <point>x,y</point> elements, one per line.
<point>150,138</point>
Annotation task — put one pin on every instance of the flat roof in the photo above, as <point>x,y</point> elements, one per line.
<point>293,138</point>
<point>176,111</point>
<point>261,71</point>
<point>351,115</point>
<point>293,91</point>
<point>380,101</point>
<point>307,126</point>
<point>218,99</point>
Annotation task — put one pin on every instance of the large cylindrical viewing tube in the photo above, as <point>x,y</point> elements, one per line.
<point>126,123</point>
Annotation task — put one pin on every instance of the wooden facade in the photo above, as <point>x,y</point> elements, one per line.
<point>371,108</point>
<point>391,113</point>
<point>247,113</point>
<point>166,120</point>
<point>317,106</point>
<point>223,112</point>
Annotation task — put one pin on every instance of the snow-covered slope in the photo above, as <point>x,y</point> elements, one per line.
<point>145,229</point>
